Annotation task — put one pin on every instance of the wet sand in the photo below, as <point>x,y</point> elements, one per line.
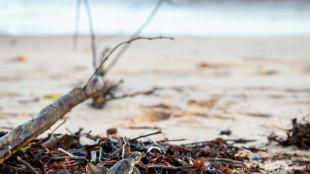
<point>252,86</point>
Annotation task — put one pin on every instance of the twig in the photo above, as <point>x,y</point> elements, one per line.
<point>162,167</point>
<point>27,165</point>
<point>241,140</point>
<point>92,33</point>
<point>59,126</point>
<point>230,162</point>
<point>65,152</point>
<point>69,157</point>
<point>6,167</point>
<point>97,71</point>
<point>166,140</point>
<point>148,92</point>
<point>142,136</point>
<point>137,33</point>
<point>103,55</point>
<point>77,22</point>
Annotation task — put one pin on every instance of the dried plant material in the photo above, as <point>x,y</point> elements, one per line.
<point>111,131</point>
<point>65,152</point>
<point>298,135</point>
<point>216,156</point>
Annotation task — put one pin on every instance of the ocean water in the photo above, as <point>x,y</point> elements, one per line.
<point>179,18</point>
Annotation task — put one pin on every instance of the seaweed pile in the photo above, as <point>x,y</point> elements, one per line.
<point>83,153</point>
<point>298,135</point>
<point>64,153</point>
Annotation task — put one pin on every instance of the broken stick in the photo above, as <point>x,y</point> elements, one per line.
<point>23,134</point>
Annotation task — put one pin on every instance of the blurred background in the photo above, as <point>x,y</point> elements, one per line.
<point>174,18</point>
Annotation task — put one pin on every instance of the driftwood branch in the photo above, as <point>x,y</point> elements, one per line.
<point>23,134</point>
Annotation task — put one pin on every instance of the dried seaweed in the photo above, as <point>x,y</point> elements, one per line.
<point>298,135</point>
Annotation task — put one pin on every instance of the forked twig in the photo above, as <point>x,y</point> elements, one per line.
<point>97,71</point>
<point>27,165</point>
<point>137,33</point>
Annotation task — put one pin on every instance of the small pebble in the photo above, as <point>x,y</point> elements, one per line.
<point>225,132</point>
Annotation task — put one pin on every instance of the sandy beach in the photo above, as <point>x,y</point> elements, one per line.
<point>252,86</point>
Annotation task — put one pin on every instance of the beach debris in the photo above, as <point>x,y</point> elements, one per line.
<point>298,135</point>
<point>225,132</point>
<point>215,156</point>
<point>111,132</point>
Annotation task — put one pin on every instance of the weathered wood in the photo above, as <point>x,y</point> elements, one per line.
<point>23,134</point>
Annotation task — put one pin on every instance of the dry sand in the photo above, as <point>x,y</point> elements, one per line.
<point>252,86</point>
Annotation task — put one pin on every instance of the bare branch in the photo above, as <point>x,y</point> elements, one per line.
<point>137,33</point>
<point>148,92</point>
<point>125,43</point>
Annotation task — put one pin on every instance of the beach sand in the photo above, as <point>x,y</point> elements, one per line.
<point>252,86</point>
